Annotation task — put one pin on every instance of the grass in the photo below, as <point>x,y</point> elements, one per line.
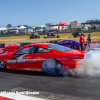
<point>63,36</point>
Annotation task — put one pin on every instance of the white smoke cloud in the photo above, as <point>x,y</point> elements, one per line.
<point>90,65</point>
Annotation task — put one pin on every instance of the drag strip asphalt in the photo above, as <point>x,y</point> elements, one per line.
<point>50,87</point>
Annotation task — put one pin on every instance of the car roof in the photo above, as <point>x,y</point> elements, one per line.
<point>38,44</point>
<point>70,40</point>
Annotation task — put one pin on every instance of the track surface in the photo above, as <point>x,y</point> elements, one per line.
<point>49,87</point>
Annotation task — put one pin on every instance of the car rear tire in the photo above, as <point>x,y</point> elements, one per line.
<point>75,47</point>
<point>2,64</point>
<point>52,67</point>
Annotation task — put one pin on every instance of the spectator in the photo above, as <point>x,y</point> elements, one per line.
<point>82,42</point>
<point>89,41</point>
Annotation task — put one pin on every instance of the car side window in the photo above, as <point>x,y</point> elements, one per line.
<point>40,50</point>
<point>60,42</point>
<point>64,42</point>
<point>26,50</point>
<point>71,41</point>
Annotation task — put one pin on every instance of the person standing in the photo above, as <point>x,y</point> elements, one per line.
<point>89,41</point>
<point>82,42</point>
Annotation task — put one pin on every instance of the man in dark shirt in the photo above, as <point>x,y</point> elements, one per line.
<point>89,41</point>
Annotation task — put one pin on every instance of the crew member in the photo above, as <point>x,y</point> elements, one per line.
<point>82,42</point>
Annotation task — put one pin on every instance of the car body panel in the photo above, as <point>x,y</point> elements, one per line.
<point>11,48</point>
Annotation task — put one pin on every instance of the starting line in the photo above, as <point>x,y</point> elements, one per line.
<point>4,96</point>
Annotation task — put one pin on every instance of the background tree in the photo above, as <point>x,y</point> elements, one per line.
<point>19,26</point>
<point>9,25</point>
<point>25,25</point>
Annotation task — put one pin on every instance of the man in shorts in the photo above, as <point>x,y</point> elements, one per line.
<point>89,41</point>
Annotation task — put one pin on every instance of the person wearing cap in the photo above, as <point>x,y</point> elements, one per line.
<point>82,42</point>
<point>89,41</point>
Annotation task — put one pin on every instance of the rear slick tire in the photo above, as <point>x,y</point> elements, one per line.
<point>52,67</point>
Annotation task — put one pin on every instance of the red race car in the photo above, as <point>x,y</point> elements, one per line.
<point>44,57</point>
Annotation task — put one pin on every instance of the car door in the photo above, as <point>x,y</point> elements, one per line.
<point>41,55</point>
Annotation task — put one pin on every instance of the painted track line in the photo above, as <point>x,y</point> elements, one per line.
<point>12,96</point>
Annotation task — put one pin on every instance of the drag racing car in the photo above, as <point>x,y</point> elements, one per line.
<point>51,34</point>
<point>68,43</point>
<point>43,57</point>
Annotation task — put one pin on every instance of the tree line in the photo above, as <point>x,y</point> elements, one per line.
<point>10,25</point>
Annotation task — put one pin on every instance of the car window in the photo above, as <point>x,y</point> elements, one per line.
<point>59,48</point>
<point>70,41</point>
<point>18,47</point>
<point>40,50</point>
<point>60,42</point>
<point>26,50</point>
<point>66,42</point>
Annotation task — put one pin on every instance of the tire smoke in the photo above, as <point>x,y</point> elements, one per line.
<point>89,66</point>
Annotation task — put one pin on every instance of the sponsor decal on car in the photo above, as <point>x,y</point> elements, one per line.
<point>62,58</point>
<point>32,69</point>
<point>74,56</point>
<point>26,69</point>
<point>16,61</point>
<point>24,60</point>
<point>8,67</point>
<point>38,69</point>
<point>27,57</point>
<point>39,59</point>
